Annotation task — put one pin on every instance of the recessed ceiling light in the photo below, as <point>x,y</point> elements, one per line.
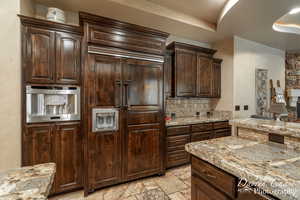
<point>294,11</point>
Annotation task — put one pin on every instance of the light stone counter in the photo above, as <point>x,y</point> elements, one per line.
<point>27,183</point>
<point>272,167</point>
<point>181,121</point>
<point>288,129</point>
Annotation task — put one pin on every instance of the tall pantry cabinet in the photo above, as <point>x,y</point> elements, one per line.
<point>51,57</point>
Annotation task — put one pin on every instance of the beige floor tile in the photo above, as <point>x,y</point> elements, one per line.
<point>154,194</point>
<point>115,193</point>
<point>70,196</point>
<point>176,184</point>
<point>171,184</point>
<point>176,196</point>
<point>187,194</point>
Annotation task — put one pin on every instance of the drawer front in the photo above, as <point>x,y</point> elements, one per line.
<point>178,130</point>
<point>222,180</point>
<point>143,117</point>
<point>180,140</point>
<point>202,190</point>
<point>221,125</point>
<point>202,127</point>
<point>222,133</point>
<point>200,136</point>
<point>177,158</point>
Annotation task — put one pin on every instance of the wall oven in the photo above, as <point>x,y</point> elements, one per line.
<point>52,103</point>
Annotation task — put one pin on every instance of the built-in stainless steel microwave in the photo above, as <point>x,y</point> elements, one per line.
<point>52,103</point>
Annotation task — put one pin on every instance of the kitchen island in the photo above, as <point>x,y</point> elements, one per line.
<point>27,183</point>
<point>238,168</point>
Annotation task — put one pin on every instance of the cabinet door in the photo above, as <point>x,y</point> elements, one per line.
<point>37,144</point>
<point>185,75</point>
<point>168,75</point>
<point>105,81</point>
<point>143,81</point>
<point>104,157</point>
<point>142,151</point>
<point>67,58</point>
<point>216,91</point>
<point>40,56</point>
<point>204,77</point>
<point>68,156</point>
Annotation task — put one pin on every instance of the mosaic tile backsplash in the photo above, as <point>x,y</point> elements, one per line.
<point>189,107</point>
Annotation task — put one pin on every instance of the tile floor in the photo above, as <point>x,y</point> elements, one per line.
<point>175,185</point>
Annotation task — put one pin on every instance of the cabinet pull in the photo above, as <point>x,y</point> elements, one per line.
<point>126,89</point>
<point>207,174</point>
<point>118,94</point>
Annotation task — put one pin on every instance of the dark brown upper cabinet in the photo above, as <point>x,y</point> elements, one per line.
<point>50,52</point>
<point>204,76</point>
<point>185,73</point>
<point>194,72</point>
<point>168,74</point>
<point>216,71</point>
<point>67,58</point>
<point>39,55</point>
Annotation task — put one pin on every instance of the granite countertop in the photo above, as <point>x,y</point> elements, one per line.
<point>289,129</point>
<point>270,166</point>
<point>179,121</point>
<point>27,183</point>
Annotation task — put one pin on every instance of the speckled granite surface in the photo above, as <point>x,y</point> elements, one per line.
<point>180,121</point>
<point>27,183</point>
<point>289,129</point>
<point>270,166</point>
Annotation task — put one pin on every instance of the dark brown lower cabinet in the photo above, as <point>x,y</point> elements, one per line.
<point>211,183</point>
<point>60,143</point>
<point>179,136</point>
<point>142,151</point>
<point>68,157</point>
<point>104,158</point>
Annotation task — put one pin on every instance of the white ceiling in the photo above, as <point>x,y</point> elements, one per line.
<point>197,19</point>
<point>207,10</point>
<point>254,19</point>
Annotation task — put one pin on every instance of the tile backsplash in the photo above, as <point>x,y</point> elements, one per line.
<point>189,107</point>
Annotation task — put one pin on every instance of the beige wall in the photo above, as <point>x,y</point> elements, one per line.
<point>248,56</point>
<point>27,7</point>
<point>10,109</point>
<point>225,52</point>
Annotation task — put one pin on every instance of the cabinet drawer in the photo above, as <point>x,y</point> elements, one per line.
<point>222,133</point>
<point>218,178</point>
<point>202,190</point>
<point>178,140</point>
<point>143,117</point>
<point>202,127</point>
<point>178,130</point>
<point>177,158</point>
<point>200,136</point>
<point>220,125</point>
